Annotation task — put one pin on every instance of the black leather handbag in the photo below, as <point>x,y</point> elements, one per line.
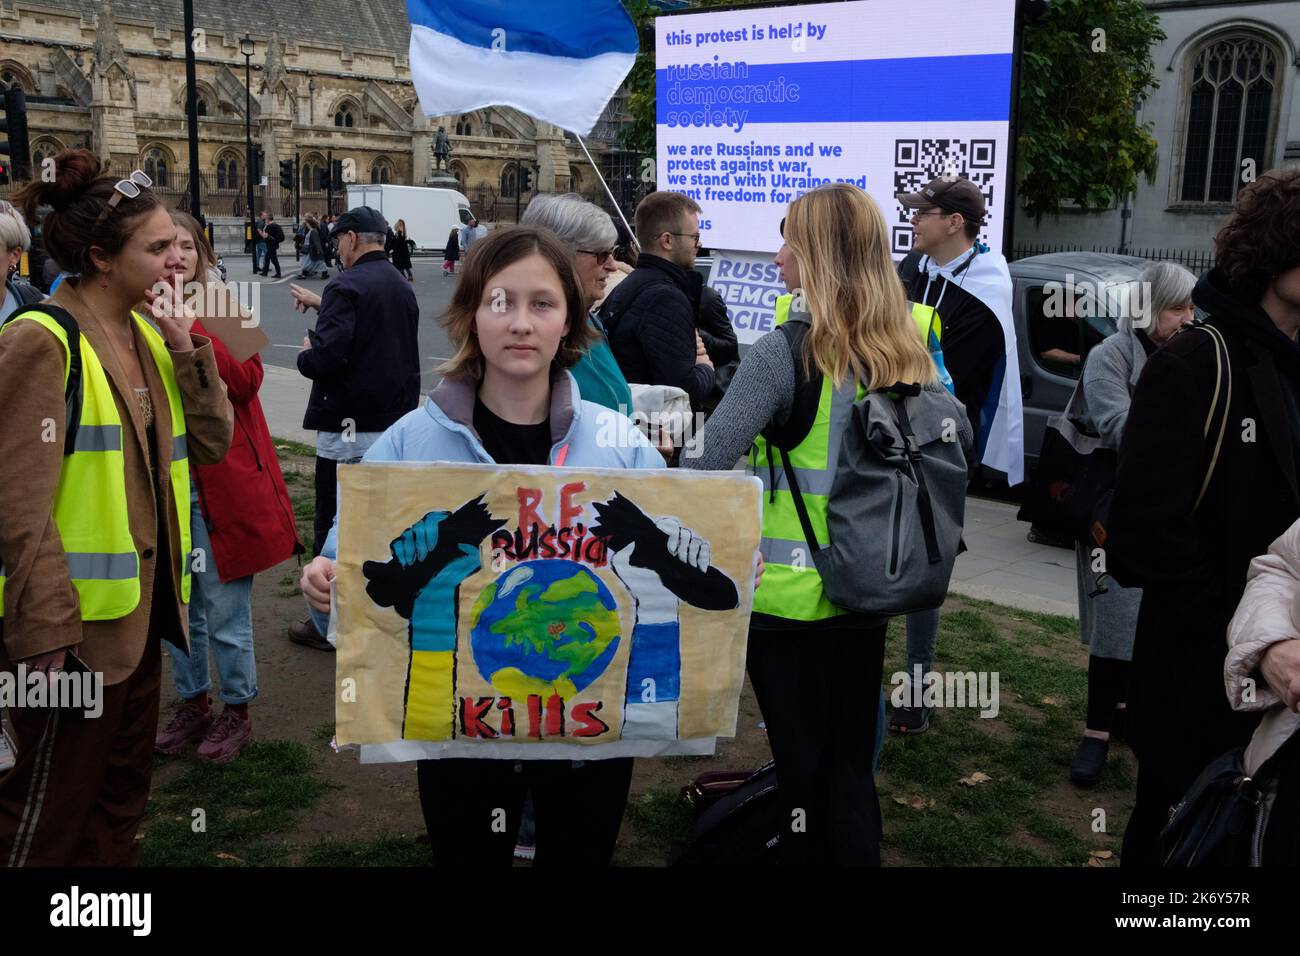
<point>1062,496</point>
<point>1222,819</point>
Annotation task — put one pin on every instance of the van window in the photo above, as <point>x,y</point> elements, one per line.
<point>464,215</point>
<point>1055,340</point>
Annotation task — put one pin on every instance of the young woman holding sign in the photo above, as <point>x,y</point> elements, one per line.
<point>518,323</point>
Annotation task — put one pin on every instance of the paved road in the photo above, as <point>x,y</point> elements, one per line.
<point>286,328</point>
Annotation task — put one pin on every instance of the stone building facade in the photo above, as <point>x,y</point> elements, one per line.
<point>1227,109</point>
<point>328,79</point>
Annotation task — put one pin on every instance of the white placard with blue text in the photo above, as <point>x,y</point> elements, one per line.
<point>756,106</point>
<point>749,283</point>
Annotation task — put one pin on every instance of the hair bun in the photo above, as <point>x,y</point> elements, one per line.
<point>75,171</point>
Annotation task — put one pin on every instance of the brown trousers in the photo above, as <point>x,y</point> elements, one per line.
<point>78,791</point>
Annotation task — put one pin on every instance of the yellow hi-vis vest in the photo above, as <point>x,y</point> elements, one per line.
<point>792,588</point>
<point>90,502</point>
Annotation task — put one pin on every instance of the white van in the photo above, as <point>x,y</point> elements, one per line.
<point>430,214</point>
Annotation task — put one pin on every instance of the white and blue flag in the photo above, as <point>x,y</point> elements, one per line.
<point>557,60</point>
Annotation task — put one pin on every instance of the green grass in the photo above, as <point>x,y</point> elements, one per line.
<point>658,819</point>
<point>1025,750</point>
<point>287,446</point>
<point>384,851</point>
<point>210,815</point>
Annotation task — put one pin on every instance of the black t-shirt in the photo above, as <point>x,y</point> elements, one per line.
<point>511,444</point>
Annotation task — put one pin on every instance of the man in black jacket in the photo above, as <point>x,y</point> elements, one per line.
<point>272,235</point>
<point>650,315</point>
<point>1187,543</point>
<point>363,358</point>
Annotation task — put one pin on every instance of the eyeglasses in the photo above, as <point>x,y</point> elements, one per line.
<point>600,257</point>
<point>932,211</point>
<point>127,188</point>
<point>687,235</point>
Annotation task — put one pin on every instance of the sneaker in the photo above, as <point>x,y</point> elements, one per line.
<point>910,720</point>
<point>304,632</point>
<point>187,724</point>
<point>525,851</point>
<point>226,738</point>
<point>1089,762</point>
<point>8,752</point>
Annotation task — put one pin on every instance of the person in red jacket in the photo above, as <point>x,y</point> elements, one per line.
<point>242,523</point>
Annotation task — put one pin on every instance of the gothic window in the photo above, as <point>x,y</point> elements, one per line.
<point>203,107</point>
<point>381,171</point>
<point>311,175</point>
<point>464,127</point>
<point>228,171</point>
<point>458,170</point>
<point>508,182</point>
<point>157,167</point>
<point>344,116</point>
<point>1233,93</point>
<point>43,150</point>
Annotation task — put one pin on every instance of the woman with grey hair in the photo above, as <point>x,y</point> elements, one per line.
<point>587,231</point>
<point>15,239</point>
<point>1158,307</point>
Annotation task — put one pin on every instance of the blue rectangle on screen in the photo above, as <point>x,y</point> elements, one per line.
<point>910,89</point>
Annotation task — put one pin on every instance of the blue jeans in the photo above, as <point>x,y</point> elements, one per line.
<point>221,615</point>
<point>259,256</point>
<point>922,628</point>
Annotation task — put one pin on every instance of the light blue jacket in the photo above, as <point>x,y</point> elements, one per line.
<point>584,434</point>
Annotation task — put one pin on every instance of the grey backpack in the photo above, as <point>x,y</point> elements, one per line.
<point>897,502</point>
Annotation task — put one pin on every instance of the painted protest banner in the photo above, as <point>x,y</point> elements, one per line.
<point>512,612</point>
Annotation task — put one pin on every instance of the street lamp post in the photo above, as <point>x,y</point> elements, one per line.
<point>246,48</point>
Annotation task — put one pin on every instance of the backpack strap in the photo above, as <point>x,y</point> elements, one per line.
<point>1222,370</point>
<point>913,451</point>
<point>72,389</point>
<point>807,394</point>
<point>800,508</point>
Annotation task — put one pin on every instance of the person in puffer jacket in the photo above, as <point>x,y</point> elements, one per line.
<point>1262,673</point>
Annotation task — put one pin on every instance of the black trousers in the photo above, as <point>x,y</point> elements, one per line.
<point>472,809</point>
<point>327,500</point>
<point>821,738</point>
<point>272,259</point>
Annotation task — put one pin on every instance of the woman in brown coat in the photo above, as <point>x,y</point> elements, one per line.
<point>78,791</point>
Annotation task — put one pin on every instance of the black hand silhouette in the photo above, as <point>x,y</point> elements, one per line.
<point>395,584</point>
<point>621,523</point>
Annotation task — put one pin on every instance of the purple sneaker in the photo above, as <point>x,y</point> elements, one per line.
<point>226,738</point>
<point>188,723</point>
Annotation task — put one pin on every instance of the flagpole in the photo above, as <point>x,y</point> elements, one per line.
<point>608,193</point>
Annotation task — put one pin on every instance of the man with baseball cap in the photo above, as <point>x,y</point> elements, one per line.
<point>960,291</point>
<point>363,358</point>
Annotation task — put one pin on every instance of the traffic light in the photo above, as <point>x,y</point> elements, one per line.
<point>286,174</point>
<point>336,171</point>
<point>525,179</point>
<point>15,152</point>
<point>259,165</point>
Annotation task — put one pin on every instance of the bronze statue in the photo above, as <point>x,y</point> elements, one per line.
<point>441,149</point>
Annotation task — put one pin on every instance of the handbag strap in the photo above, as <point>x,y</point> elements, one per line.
<point>1222,370</point>
<point>800,508</point>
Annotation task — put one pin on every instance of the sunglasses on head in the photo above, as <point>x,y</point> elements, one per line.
<point>127,188</point>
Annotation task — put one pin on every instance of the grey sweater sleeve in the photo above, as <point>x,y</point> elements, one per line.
<point>761,391</point>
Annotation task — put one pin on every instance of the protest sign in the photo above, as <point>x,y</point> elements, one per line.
<point>494,611</point>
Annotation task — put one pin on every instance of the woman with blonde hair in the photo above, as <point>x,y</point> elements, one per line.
<point>849,331</point>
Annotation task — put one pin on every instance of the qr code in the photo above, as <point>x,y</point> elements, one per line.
<point>917,161</point>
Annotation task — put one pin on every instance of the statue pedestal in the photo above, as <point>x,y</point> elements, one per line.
<point>442,180</point>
